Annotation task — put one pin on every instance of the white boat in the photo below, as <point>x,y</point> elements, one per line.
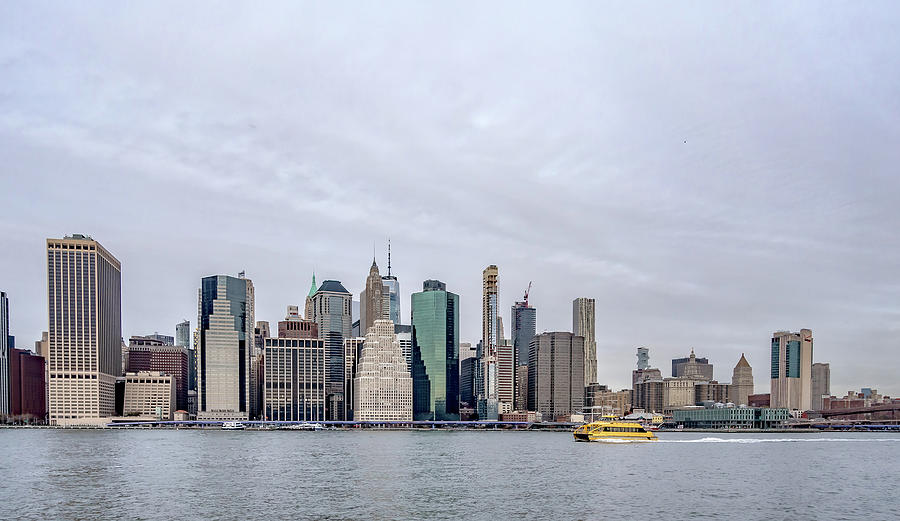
<point>233,426</point>
<point>306,427</point>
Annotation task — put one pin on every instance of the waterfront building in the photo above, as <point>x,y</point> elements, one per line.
<point>792,370</point>
<point>486,377</point>
<point>523,321</point>
<point>352,352</point>
<point>295,326</point>
<point>225,340</point>
<point>27,386</point>
<point>820,383</point>
<point>149,394</point>
<point>583,325</point>
<point>556,374</point>
<point>692,366</point>
<point>383,385</point>
<point>731,418</point>
<point>4,353</point>
<point>330,310</point>
<point>171,360</point>
<point>293,378</point>
<point>435,352</point>
<point>467,369</point>
<point>643,356</point>
<point>84,302</point>
<point>741,382</point>
<point>371,300</point>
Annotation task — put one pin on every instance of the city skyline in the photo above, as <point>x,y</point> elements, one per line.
<point>680,190</point>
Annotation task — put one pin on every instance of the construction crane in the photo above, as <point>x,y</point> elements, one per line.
<point>527,291</point>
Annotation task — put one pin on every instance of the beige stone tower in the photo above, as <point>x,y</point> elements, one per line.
<point>741,382</point>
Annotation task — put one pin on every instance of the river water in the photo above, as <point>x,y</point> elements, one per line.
<point>192,474</point>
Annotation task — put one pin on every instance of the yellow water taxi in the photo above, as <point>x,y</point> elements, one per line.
<point>613,431</point>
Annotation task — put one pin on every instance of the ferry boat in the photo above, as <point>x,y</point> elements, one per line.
<point>613,431</point>
<point>306,427</point>
<point>232,426</point>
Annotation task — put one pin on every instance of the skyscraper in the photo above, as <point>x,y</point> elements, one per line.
<point>85,329</point>
<point>506,373</point>
<point>741,382</point>
<point>583,318</point>
<point>352,352</point>
<point>294,379</point>
<point>820,382</point>
<point>643,356</point>
<point>226,336</point>
<point>556,374</point>
<point>183,334</point>
<point>382,386</point>
<point>792,370</point>
<point>524,318</point>
<point>371,300</point>
<point>391,292</point>
<point>4,353</point>
<point>294,326</point>
<point>692,366</point>
<point>308,309</point>
<point>487,404</point>
<point>435,332</point>
<point>330,308</point>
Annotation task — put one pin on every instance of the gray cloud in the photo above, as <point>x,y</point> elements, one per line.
<point>709,174</point>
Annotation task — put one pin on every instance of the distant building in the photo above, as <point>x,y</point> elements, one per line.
<point>405,337</point>
<point>183,334</point>
<point>713,392</point>
<point>467,369</point>
<point>391,293</point>
<point>521,388</point>
<point>293,379</point>
<point>741,382</point>
<point>84,299</point>
<point>4,353</point>
<point>382,386</point>
<point>294,326</point>
<point>226,339</point>
<point>599,400</point>
<point>556,374</point>
<point>506,375</point>
<point>583,325</point>
<point>524,318</point>
<point>487,406</point>
<point>169,359</point>
<point>435,369</point>
<point>679,392</point>
<point>27,386</point>
<point>149,394</point>
<point>466,350</point>
<point>731,418</point>
<point>692,366</point>
<point>643,356</point>
<point>260,333</point>
<point>645,374</point>
<point>820,382</point>
<point>792,370</point>
<point>352,353</point>
<point>183,338</point>
<point>371,300</point>
<point>759,400</point>
<point>330,308</point>
<point>649,390</point>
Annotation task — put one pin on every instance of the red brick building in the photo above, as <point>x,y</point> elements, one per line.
<point>27,386</point>
<point>172,360</point>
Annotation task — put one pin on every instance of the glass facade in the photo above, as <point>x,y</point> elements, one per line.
<point>435,321</point>
<point>392,297</point>
<point>523,324</point>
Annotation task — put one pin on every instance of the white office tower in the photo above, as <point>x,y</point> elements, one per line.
<point>383,385</point>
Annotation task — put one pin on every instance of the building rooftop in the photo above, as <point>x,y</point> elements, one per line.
<point>333,286</point>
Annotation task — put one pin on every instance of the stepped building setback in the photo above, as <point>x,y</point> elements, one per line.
<point>382,386</point>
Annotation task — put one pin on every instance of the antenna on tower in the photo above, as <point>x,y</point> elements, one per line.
<point>389,256</point>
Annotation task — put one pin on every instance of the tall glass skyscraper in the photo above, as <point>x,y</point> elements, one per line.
<point>435,322</point>
<point>330,309</point>
<point>523,324</point>
<point>225,339</point>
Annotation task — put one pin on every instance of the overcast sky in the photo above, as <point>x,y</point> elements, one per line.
<point>709,174</point>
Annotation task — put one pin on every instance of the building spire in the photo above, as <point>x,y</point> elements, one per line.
<point>389,256</point>
<point>312,287</point>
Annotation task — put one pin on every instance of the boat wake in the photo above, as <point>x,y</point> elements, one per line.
<point>779,440</point>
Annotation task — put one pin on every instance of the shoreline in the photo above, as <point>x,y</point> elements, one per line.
<point>557,429</point>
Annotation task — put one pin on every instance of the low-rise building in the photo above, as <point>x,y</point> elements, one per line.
<point>731,417</point>
<point>149,394</point>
